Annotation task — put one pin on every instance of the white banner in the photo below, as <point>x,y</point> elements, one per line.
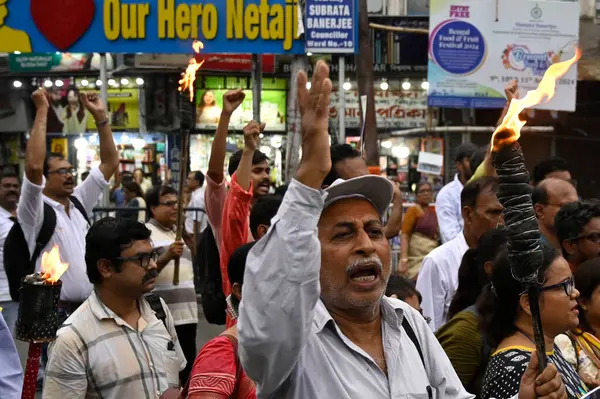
<point>395,109</point>
<point>477,47</point>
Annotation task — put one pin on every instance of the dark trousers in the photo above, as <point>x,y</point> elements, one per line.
<point>186,334</point>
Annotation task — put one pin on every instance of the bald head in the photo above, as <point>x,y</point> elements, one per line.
<point>549,196</point>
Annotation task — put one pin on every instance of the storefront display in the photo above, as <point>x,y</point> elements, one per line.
<point>209,103</point>
<point>272,145</point>
<point>68,115</point>
<point>136,151</point>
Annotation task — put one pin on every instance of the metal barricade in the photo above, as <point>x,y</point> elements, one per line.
<point>99,213</point>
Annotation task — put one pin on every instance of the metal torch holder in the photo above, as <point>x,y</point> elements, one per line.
<point>38,312</point>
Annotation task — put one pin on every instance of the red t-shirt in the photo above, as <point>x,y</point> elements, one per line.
<point>214,371</point>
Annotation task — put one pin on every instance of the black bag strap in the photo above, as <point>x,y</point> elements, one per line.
<point>79,207</point>
<point>413,337</point>
<point>156,305</point>
<point>45,234</point>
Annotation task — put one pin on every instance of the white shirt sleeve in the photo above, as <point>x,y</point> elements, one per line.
<point>90,189</point>
<point>30,211</point>
<point>445,209</point>
<point>432,286</point>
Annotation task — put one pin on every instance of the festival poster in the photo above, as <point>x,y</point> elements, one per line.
<point>477,47</point>
<point>209,104</point>
<point>394,109</point>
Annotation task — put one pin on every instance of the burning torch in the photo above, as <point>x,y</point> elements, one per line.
<point>514,192</point>
<point>187,120</point>
<point>38,314</point>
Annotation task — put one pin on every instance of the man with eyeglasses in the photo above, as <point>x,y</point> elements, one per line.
<point>548,197</point>
<point>121,343</point>
<point>578,231</point>
<point>50,179</point>
<point>180,298</point>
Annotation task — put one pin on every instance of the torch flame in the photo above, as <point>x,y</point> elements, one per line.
<point>52,266</point>
<point>189,76</point>
<point>509,130</point>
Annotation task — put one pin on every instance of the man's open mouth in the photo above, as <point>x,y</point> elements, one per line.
<point>365,274</point>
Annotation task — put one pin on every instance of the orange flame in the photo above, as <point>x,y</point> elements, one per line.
<point>189,76</point>
<point>52,267</point>
<point>509,130</point>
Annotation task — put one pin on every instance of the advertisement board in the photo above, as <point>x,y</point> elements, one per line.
<point>68,115</point>
<point>150,26</point>
<point>209,104</point>
<point>477,47</point>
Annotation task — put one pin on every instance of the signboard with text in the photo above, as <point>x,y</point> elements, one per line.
<point>150,26</point>
<point>331,26</point>
<point>395,109</point>
<point>477,48</point>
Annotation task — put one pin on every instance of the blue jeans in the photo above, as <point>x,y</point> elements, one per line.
<point>10,311</point>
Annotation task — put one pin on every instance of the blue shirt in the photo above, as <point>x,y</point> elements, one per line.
<point>118,197</point>
<point>11,373</point>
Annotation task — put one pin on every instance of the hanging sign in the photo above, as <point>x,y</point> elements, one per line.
<point>394,109</point>
<point>150,26</point>
<point>477,47</point>
<point>331,26</point>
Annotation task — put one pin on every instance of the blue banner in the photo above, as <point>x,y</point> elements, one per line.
<point>331,26</point>
<point>150,26</point>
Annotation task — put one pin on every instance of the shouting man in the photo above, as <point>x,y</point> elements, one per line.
<point>314,322</point>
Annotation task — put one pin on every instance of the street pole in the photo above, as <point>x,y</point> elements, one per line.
<point>342,97</point>
<point>365,84</point>
<point>293,141</point>
<point>256,85</point>
<point>104,97</point>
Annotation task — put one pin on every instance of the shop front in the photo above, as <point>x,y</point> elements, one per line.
<point>209,104</point>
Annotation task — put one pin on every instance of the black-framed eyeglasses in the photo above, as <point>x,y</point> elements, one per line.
<point>593,237</point>
<point>144,258</point>
<point>568,285</point>
<point>64,171</point>
<point>168,203</point>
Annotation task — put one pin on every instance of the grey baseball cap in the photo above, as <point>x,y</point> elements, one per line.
<point>378,190</point>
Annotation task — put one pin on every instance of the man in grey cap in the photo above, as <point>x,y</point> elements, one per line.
<point>447,203</point>
<point>314,322</point>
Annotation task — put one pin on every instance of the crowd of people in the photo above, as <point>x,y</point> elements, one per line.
<point>305,288</point>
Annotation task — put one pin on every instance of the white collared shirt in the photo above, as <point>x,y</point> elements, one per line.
<point>69,233</point>
<point>196,202</point>
<point>5,226</point>
<point>449,211</point>
<point>438,279</point>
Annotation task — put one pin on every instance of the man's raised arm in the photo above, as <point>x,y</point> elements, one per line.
<point>281,283</point>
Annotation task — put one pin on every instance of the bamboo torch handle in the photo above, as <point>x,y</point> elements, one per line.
<point>32,368</point>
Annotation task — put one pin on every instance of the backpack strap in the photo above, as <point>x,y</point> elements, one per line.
<point>45,234</point>
<point>413,337</point>
<point>79,207</point>
<point>156,305</point>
